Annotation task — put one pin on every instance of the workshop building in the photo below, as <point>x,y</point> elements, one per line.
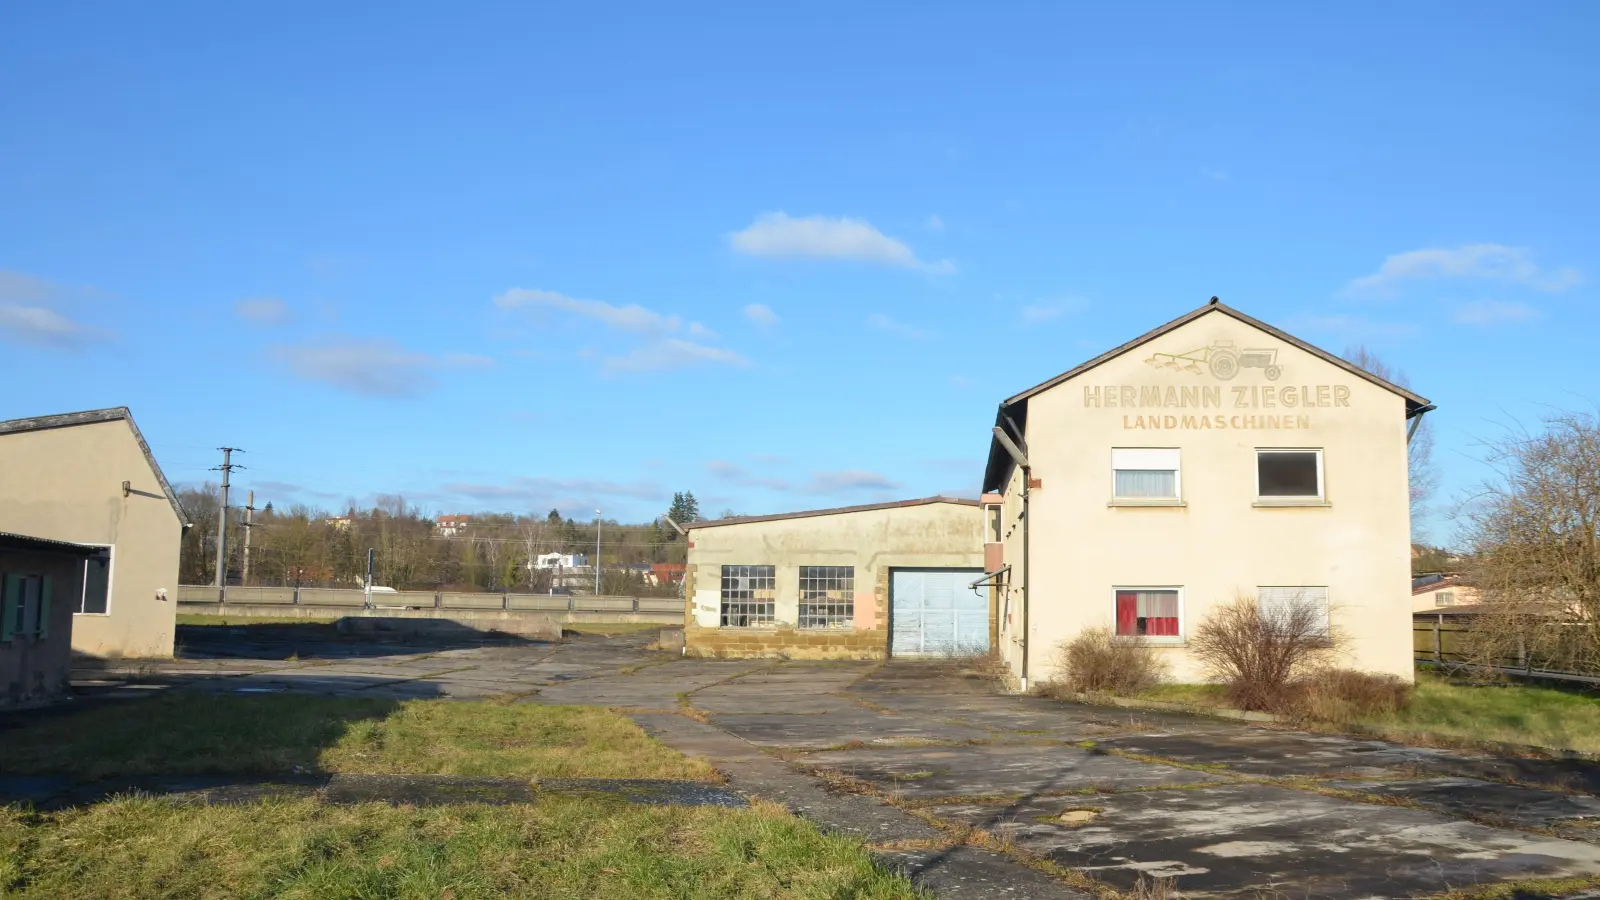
<point>1212,459</point>
<point>857,582</point>
<point>89,478</point>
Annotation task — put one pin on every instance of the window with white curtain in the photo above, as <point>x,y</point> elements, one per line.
<point>1145,474</point>
<point>1280,603</point>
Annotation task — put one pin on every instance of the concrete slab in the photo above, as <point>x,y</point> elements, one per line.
<point>1245,839</point>
<point>1514,804</point>
<point>930,773</point>
<point>831,729</point>
<point>1258,751</point>
<point>962,871</point>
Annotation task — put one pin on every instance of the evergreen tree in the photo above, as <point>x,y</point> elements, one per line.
<point>685,508</point>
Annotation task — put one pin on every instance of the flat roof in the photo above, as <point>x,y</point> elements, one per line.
<point>837,510</point>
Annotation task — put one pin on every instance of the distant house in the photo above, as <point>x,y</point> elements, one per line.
<point>667,573</point>
<point>340,522</point>
<point>89,478</point>
<point>41,582</point>
<point>560,561</point>
<point>1432,592</point>
<point>450,526</point>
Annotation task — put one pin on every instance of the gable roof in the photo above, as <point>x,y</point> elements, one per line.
<point>804,514</point>
<point>1015,406</point>
<point>93,416</point>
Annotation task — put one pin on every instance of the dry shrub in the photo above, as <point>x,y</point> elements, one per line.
<point>1346,695</point>
<point>1098,661</point>
<point>1259,655</point>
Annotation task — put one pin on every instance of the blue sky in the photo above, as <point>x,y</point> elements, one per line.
<point>492,256</point>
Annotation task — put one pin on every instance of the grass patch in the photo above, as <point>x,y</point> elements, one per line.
<point>1514,713</point>
<point>204,620</point>
<point>558,848</point>
<point>191,733</point>
<point>1213,695</point>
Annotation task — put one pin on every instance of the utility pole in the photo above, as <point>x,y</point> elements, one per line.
<point>249,525</point>
<point>597,526</point>
<point>228,465</point>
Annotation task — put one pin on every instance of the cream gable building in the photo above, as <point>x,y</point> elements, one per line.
<point>89,478</point>
<point>1212,458</point>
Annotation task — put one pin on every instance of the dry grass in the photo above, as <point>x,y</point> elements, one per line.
<point>191,733</point>
<point>1097,661</point>
<point>1345,695</point>
<point>136,848</point>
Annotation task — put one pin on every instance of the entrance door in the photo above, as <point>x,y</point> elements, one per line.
<point>935,612</point>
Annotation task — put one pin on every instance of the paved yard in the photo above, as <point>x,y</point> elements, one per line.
<point>976,793</point>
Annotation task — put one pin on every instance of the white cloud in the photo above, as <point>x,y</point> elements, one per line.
<point>671,353</point>
<point>576,496</point>
<point>1213,174</point>
<point>761,314</point>
<point>901,329</point>
<point>467,360</point>
<point>934,223</point>
<point>370,368</point>
<point>28,314</point>
<point>960,381</point>
<point>1037,313</point>
<point>660,349</point>
<point>40,326</point>
<point>850,480</point>
<point>1495,262</point>
<point>632,317</point>
<point>777,234</point>
<point>1493,312</point>
<point>264,311</point>
<point>736,474</point>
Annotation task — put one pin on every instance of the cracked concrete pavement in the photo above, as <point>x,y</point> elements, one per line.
<point>976,793</point>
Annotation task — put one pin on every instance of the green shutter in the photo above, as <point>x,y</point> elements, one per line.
<point>44,608</point>
<point>10,594</point>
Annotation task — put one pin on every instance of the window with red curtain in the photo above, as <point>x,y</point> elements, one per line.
<point>1147,613</point>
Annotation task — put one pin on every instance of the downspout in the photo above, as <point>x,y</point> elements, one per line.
<point>1021,459</point>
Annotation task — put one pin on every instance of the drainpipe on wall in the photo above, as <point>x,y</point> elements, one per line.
<point>1021,459</point>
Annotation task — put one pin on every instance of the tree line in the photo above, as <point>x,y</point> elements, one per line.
<point>306,546</point>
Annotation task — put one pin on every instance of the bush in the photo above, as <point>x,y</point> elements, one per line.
<point>1097,661</point>
<point>1260,655</point>
<point>1346,695</point>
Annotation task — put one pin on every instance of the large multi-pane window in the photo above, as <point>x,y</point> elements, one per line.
<point>748,594</point>
<point>827,596</point>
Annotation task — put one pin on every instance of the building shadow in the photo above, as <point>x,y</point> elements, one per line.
<point>349,638</point>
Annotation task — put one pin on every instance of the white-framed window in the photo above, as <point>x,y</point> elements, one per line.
<point>1279,602</point>
<point>95,599</point>
<point>1149,612</point>
<point>1146,474</point>
<point>1288,474</point>
<point>749,595</point>
<point>24,605</point>
<point>1444,598</point>
<point>827,596</point>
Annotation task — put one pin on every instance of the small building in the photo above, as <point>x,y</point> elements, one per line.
<point>41,581</point>
<point>1429,593</point>
<point>666,573</point>
<point>89,478</point>
<point>342,523</point>
<point>1212,459</point>
<point>560,561</point>
<point>450,526</point>
<point>857,582</point>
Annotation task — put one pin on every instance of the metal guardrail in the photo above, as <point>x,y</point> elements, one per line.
<point>315,596</point>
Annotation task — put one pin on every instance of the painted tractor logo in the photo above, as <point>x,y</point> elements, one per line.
<point>1222,359</point>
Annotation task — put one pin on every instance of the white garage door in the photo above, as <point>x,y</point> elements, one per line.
<point>935,612</point>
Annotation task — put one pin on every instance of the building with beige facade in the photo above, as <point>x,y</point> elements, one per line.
<point>1432,593</point>
<point>853,582</point>
<point>1213,458</point>
<point>89,479</point>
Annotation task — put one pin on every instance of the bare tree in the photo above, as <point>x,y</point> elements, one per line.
<point>1422,474</point>
<point>1535,537</point>
<point>1260,653</point>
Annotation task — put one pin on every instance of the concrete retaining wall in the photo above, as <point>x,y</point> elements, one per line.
<point>464,616</point>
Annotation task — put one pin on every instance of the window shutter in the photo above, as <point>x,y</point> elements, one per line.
<point>10,596</point>
<point>1278,601</point>
<point>44,608</point>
